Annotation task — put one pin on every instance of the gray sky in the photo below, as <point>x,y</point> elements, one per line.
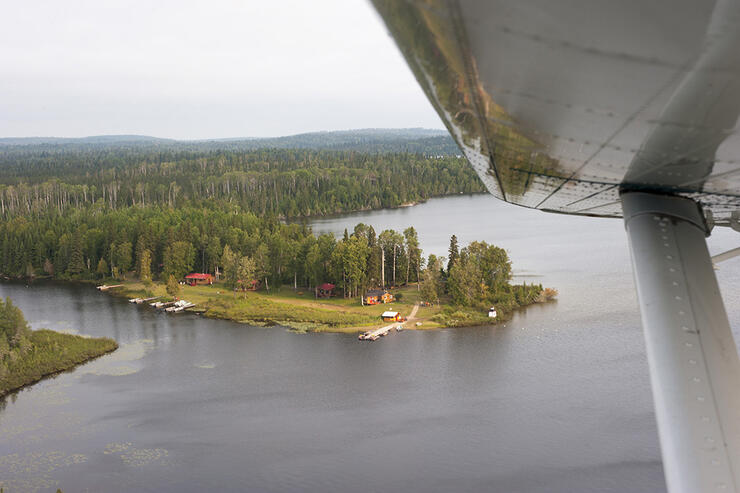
<point>194,69</point>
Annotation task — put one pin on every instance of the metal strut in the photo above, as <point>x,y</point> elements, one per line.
<point>693,360</point>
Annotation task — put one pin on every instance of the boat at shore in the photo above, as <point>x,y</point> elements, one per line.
<point>179,306</point>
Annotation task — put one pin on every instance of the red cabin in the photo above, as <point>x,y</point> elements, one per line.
<point>196,278</point>
<point>325,290</point>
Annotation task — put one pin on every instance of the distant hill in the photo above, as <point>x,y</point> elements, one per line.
<point>414,140</point>
<point>95,139</point>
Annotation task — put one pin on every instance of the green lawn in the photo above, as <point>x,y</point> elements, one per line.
<point>296,308</point>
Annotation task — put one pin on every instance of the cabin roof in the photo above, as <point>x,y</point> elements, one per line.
<point>375,292</point>
<point>197,275</point>
<point>389,314</point>
<point>327,286</point>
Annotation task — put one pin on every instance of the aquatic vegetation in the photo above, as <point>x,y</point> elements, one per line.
<point>136,457</point>
<point>32,471</point>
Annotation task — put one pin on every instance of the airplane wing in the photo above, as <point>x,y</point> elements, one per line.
<point>614,109</point>
<point>558,104</point>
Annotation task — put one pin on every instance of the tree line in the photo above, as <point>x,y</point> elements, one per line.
<point>156,243</point>
<point>283,182</point>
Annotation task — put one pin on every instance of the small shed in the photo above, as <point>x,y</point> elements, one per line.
<point>325,290</point>
<point>198,278</point>
<point>492,312</point>
<point>391,316</point>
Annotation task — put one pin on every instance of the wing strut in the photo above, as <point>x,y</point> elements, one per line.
<point>694,366</point>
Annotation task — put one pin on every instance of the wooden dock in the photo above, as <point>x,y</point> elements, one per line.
<point>105,288</point>
<point>139,301</point>
<point>374,335</point>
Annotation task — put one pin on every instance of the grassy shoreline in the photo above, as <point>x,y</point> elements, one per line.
<point>51,353</point>
<point>300,311</point>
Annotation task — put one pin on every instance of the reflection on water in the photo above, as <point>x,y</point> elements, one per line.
<point>557,400</point>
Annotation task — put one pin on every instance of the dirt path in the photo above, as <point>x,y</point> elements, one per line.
<point>413,312</point>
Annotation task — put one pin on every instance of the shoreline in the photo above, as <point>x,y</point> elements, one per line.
<point>296,311</point>
<point>42,338</point>
<point>305,314</point>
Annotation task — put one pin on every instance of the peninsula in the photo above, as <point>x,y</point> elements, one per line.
<point>27,356</point>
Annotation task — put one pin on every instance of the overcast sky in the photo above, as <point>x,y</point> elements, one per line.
<point>193,69</point>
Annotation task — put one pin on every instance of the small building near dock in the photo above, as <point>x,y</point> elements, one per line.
<point>377,296</point>
<point>198,278</point>
<point>391,316</point>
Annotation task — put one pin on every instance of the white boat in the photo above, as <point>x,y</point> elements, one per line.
<point>179,306</point>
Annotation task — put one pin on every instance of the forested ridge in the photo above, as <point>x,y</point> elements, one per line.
<point>412,140</point>
<point>283,182</point>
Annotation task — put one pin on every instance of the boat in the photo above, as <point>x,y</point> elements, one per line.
<point>179,306</point>
<point>162,304</point>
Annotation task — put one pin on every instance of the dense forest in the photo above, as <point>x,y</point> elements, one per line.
<point>286,183</point>
<point>155,242</point>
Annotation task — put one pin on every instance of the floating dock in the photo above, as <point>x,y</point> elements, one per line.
<point>139,301</point>
<point>374,335</point>
<point>105,288</point>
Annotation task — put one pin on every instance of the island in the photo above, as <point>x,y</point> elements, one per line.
<point>473,288</point>
<point>27,356</point>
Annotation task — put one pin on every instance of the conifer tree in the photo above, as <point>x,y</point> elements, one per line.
<point>173,287</point>
<point>453,253</point>
<point>76,261</point>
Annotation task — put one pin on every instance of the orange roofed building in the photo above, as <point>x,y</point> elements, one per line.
<point>377,296</point>
<point>197,278</point>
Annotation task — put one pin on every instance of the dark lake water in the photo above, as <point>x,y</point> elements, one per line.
<point>558,400</point>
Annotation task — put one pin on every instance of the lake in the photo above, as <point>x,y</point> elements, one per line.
<point>557,400</point>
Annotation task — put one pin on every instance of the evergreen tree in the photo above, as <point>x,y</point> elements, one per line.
<point>173,287</point>
<point>453,253</point>
<point>76,261</point>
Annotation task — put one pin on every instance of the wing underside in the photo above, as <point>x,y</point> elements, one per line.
<point>560,104</point>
